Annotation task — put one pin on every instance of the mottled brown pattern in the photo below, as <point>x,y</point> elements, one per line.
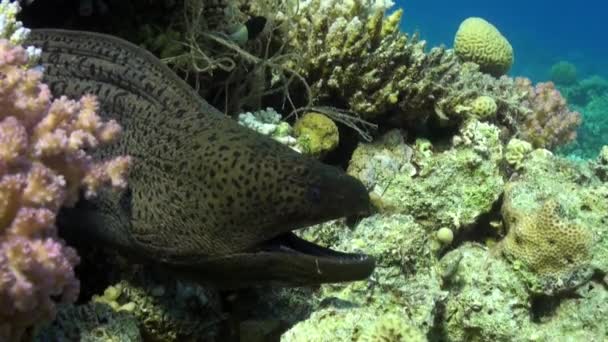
<point>201,185</point>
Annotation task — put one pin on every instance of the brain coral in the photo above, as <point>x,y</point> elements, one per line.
<point>545,241</point>
<point>480,42</point>
<point>555,212</point>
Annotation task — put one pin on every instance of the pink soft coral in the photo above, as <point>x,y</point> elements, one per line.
<point>550,123</point>
<point>43,166</point>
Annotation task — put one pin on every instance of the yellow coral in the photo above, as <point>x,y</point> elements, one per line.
<point>545,242</point>
<point>484,107</point>
<point>480,42</point>
<point>316,133</point>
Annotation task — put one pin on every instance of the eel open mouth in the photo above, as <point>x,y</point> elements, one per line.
<point>291,243</point>
<point>285,260</point>
<point>329,265</point>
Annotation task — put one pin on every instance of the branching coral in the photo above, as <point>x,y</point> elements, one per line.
<point>354,57</point>
<point>350,53</point>
<point>43,166</point>
<point>550,123</point>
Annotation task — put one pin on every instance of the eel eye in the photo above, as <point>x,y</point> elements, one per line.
<point>314,193</point>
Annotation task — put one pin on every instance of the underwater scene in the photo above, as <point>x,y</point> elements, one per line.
<point>303,170</point>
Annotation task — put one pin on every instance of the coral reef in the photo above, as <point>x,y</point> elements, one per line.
<point>355,58</point>
<point>352,55</point>
<point>476,235</point>
<point>316,134</point>
<point>583,92</point>
<point>354,324</point>
<point>563,73</point>
<point>43,166</point>
<point>600,165</point>
<point>576,319</point>
<point>550,123</point>
<point>480,42</point>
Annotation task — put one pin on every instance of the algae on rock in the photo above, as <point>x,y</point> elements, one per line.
<point>404,282</point>
<point>440,189</point>
<point>486,301</point>
<point>354,324</point>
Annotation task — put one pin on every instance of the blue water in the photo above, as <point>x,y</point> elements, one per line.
<point>541,32</point>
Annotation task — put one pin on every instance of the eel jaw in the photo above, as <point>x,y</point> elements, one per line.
<point>331,265</point>
<point>285,260</point>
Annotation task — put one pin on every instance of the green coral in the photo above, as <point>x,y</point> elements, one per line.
<point>350,54</point>
<point>316,134</point>
<point>480,42</point>
<point>469,84</point>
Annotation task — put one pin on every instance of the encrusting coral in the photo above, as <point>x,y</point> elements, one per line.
<point>538,238</point>
<point>556,236</point>
<point>316,133</point>
<point>43,166</point>
<point>483,107</point>
<point>480,42</point>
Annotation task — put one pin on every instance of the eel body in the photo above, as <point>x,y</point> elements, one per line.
<point>205,195</point>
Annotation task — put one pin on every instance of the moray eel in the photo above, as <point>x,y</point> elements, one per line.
<point>206,196</point>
